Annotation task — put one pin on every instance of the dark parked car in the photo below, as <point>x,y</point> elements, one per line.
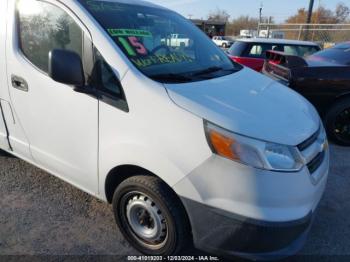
<point>251,52</point>
<point>324,79</point>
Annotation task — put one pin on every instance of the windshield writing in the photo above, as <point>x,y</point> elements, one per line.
<point>160,42</point>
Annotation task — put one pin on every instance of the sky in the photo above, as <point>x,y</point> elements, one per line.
<point>279,9</point>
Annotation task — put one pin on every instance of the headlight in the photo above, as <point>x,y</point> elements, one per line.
<point>253,152</point>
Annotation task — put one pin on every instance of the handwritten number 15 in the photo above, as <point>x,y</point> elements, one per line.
<point>133,45</point>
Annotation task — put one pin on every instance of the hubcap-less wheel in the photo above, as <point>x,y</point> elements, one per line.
<point>145,219</point>
<point>150,216</point>
<point>342,126</point>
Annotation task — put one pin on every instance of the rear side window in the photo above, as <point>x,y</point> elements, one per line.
<point>259,50</point>
<point>44,27</point>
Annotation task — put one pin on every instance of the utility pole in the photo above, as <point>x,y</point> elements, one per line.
<point>260,17</point>
<point>268,28</point>
<point>308,19</point>
<point>309,14</point>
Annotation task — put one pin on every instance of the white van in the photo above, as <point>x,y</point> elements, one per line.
<point>188,146</point>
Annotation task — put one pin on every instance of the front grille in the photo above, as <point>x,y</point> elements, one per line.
<point>309,141</point>
<point>314,150</point>
<point>316,162</point>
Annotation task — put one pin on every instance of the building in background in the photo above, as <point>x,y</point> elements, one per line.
<point>211,27</point>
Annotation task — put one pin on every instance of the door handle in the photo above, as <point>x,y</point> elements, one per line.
<point>19,83</point>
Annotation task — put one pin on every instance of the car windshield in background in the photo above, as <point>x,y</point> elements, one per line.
<point>339,55</point>
<point>163,45</point>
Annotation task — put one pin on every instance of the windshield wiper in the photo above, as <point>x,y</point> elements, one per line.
<point>208,70</point>
<point>213,69</point>
<point>172,78</point>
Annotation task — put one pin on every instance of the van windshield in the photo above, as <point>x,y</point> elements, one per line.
<point>160,43</point>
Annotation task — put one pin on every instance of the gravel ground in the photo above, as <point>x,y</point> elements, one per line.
<point>41,215</point>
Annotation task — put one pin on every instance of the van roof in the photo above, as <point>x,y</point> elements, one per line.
<point>276,41</point>
<point>134,2</point>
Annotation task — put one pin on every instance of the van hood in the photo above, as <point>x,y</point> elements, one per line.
<point>249,104</point>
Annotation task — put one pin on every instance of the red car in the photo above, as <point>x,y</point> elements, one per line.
<point>251,52</point>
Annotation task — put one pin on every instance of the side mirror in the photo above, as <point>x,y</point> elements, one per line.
<point>66,67</point>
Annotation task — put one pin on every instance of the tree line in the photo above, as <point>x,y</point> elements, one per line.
<point>321,15</point>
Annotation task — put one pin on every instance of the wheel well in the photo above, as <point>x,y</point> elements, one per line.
<point>118,174</point>
<point>332,103</point>
<point>341,97</point>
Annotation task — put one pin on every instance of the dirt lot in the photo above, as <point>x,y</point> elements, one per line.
<point>40,215</point>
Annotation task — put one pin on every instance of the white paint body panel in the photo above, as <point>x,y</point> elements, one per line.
<point>250,104</point>
<point>80,139</point>
<point>61,125</point>
<point>3,84</point>
<point>258,194</point>
<point>156,134</point>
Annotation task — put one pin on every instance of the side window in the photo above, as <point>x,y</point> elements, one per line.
<point>256,50</point>
<point>104,79</point>
<point>44,27</point>
<point>279,48</point>
<point>291,50</point>
<point>259,50</point>
<point>302,51</point>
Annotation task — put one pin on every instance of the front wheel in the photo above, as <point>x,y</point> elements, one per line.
<point>150,216</point>
<point>337,122</point>
<point>224,45</point>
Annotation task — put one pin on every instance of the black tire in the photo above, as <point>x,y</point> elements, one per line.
<point>176,224</point>
<point>332,122</point>
<point>224,45</point>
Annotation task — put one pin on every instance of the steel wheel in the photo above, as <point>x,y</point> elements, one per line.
<point>150,216</point>
<point>145,219</point>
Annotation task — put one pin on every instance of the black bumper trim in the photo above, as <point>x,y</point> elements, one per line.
<point>225,233</point>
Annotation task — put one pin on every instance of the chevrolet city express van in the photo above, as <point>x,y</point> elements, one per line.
<point>188,146</point>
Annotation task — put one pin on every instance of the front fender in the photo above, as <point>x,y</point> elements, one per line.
<point>156,135</point>
<point>137,155</point>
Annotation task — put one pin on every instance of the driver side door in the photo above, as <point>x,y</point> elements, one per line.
<point>61,124</point>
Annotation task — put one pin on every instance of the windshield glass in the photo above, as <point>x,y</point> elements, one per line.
<point>333,55</point>
<point>162,44</point>
<point>300,50</point>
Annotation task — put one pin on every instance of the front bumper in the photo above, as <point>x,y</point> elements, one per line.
<point>226,234</point>
<point>236,210</point>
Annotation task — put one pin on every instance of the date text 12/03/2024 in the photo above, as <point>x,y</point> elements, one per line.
<point>173,258</point>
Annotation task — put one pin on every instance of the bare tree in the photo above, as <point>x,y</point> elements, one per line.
<point>322,15</point>
<point>219,15</point>
<point>242,23</point>
<point>342,13</point>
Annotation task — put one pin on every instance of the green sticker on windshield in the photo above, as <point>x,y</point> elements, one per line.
<point>129,32</point>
